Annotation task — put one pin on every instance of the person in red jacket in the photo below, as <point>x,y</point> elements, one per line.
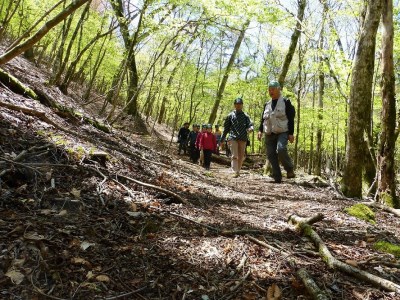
<point>201,154</point>
<point>208,144</point>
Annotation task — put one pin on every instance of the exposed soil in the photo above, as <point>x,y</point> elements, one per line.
<point>71,227</point>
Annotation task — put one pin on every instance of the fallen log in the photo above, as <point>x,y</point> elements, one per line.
<point>386,208</point>
<point>311,286</point>
<point>333,263</point>
<point>16,86</point>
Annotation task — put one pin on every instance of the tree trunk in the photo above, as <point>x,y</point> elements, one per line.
<point>321,88</point>
<point>71,69</point>
<point>96,67</point>
<point>9,55</point>
<point>386,175</point>
<point>27,32</point>
<point>293,41</point>
<point>360,101</point>
<point>7,15</point>
<point>57,78</point>
<point>299,92</point>
<point>222,85</point>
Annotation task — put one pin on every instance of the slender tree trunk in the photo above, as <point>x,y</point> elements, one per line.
<point>360,100</point>
<point>311,161</point>
<point>71,69</point>
<point>7,15</point>
<point>27,32</point>
<point>64,62</point>
<point>299,92</point>
<point>386,174</point>
<point>58,47</point>
<point>96,67</point>
<point>9,55</point>
<point>321,90</point>
<point>293,41</point>
<point>222,85</point>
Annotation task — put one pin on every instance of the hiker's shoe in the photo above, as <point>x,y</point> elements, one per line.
<point>236,175</point>
<point>275,180</point>
<point>290,174</point>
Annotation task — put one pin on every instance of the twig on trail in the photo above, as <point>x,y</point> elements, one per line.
<point>125,187</point>
<point>237,286</point>
<point>311,286</point>
<point>126,294</point>
<point>18,164</point>
<point>195,222</point>
<point>334,263</point>
<point>154,187</point>
<point>37,290</point>
<point>263,244</point>
<point>242,262</point>
<point>391,210</point>
<point>239,232</point>
<point>148,185</point>
<point>99,188</point>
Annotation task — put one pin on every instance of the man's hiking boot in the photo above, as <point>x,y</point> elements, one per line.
<point>290,174</point>
<point>236,175</point>
<point>275,180</point>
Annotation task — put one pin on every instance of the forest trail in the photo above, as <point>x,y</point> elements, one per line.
<point>74,224</point>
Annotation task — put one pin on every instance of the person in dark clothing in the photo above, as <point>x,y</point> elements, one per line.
<point>218,134</point>
<point>183,138</point>
<point>193,151</point>
<point>277,122</point>
<point>238,125</point>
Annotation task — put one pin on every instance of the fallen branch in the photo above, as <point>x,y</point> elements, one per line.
<point>311,286</point>
<point>15,85</point>
<point>333,263</point>
<point>237,286</point>
<point>239,232</point>
<point>154,187</point>
<point>195,222</point>
<point>13,162</point>
<point>263,244</point>
<point>386,208</point>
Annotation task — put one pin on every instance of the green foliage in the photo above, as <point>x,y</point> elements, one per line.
<point>388,248</point>
<point>200,36</point>
<point>362,212</point>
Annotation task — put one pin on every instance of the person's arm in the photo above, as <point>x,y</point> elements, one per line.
<point>261,127</point>
<point>290,113</point>
<point>227,127</point>
<point>250,125</point>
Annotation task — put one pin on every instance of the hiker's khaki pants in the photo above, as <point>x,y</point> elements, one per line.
<point>238,150</point>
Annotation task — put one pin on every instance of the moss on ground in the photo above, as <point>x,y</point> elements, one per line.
<point>362,212</point>
<point>388,248</point>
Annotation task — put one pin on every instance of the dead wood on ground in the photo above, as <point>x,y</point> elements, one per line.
<point>332,262</point>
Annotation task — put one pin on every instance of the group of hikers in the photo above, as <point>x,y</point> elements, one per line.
<point>277,125</point>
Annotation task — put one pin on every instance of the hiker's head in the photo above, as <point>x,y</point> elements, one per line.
<point>238,103</point>
<point>274,89</point>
